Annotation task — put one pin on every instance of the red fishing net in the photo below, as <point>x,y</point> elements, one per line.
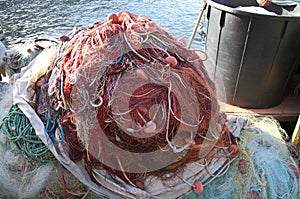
<point>127,97</point>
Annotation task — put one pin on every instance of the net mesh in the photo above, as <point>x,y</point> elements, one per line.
<point>126,82</point>
<point>22,53</point>
<point>132,113</point>
<point>264,169</point>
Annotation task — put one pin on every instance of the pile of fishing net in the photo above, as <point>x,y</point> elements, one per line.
<point>126,108</point>
<point>121,108</point>
<point>264,167</point>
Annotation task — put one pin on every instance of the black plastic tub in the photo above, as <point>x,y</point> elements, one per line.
<point>252,55</point>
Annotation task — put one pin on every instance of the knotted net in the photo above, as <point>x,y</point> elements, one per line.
<point>125,105</point>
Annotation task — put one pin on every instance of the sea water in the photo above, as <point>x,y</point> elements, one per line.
<point>29,19</point>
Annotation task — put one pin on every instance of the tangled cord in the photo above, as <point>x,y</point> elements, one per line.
<point>129,79</point>
<point>17,128</point>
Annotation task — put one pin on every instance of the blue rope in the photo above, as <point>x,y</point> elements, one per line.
<point>51,124</point>
<point>120,58</point>
<point>49,121</point>
<point>56,62</point>
<point>84,93</point>
<point>62,133</point>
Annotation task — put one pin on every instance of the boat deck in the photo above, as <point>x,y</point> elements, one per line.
<point>287,111</point>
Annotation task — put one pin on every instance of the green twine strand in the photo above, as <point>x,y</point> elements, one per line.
<point>17,128</point>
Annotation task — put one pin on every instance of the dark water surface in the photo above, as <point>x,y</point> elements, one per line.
<point>28,19</point>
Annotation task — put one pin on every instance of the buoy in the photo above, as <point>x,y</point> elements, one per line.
<point>243,166</point>
<point>234,149</point>
<point>171,60</point>
<point>113,18</point>
<point>198,187</point>
<point>64,38</point>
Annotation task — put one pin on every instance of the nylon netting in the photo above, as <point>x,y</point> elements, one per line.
<point>124,94</point>
<point>264,168</point>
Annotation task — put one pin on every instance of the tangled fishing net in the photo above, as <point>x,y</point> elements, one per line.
<point>124,94</point>
<point>27,167</point>
<point>21,54</point>
<point>264,168</point>
<point>125,108</point>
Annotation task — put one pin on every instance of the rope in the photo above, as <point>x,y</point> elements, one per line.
<point>18,129</point>
<point>132,79</point>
